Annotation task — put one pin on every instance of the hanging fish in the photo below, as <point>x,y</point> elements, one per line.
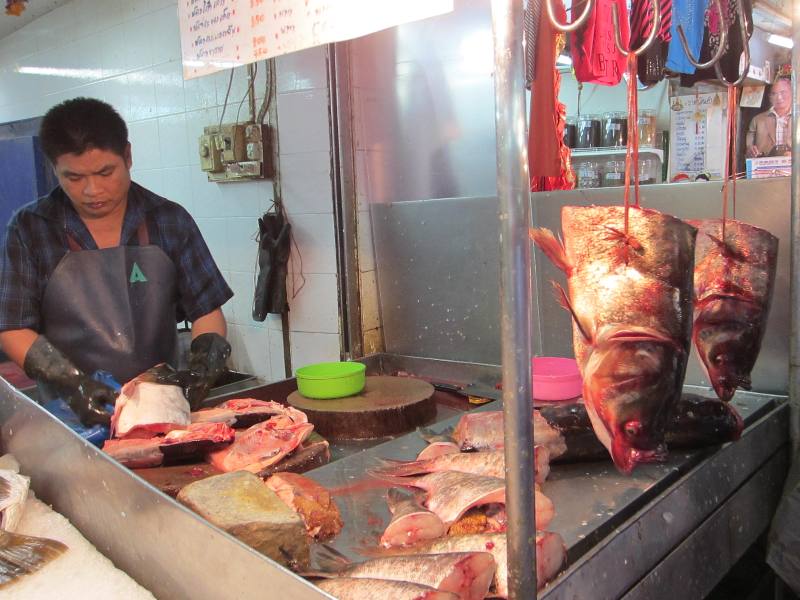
<point>733,283</point>
<point>630,296</point>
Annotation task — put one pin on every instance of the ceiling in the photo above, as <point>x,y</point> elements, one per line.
<point>34,10</point>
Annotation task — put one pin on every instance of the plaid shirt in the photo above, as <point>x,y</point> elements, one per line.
<point>783,128</point>
<point>36,240</point>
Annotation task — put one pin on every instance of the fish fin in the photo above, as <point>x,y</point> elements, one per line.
<point>399,468</point>
<point>5,488</point>
<point>552,247</point>
<point>726,249</point>
<point>563,300</point>
<point>396,495</point>
<point>390,479</point>
<point>330,560</point>
<point>21,555</point>
<point>620,236</point>
<point>429,435</point>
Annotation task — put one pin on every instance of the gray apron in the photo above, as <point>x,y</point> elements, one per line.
<point>113,309</point>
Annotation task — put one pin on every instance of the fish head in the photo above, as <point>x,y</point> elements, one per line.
<point>728,343</point>
<point>631,381</point>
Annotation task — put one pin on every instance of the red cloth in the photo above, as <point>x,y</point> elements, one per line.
<point>548,157</point>
<point>595,57</point>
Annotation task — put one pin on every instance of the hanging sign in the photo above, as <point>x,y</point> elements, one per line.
<point>220,34</point>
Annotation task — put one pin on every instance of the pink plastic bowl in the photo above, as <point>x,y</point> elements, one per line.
<point>555,378</point>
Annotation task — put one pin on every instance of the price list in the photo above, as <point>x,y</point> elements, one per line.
<point>220,34</point>
<point>689,117</point>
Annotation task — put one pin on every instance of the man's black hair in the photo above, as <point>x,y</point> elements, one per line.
<point>78,125</point>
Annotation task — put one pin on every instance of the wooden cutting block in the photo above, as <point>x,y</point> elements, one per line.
<point>386,406</point>
<point>312,453</point>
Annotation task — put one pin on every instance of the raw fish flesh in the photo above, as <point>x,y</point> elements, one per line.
<point>145,409</point>
<point>411,522</point>
<point>733,284</point>
<point>263,444</point>
<point>630,296</point>
<point>490,463</point>
<point>240,413</point>
<point>551,554</point>
<point>309,500</point>
<point>195,441</point>
<point>467,574</point>
<point>350,588</point>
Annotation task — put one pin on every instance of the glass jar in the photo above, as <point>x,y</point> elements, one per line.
<point>649,170</point>
<point>588,134</point>
<point>614,172</point>
<point>647,128</point>
<point>588,172</point>
<point>571,132</point>
<point>615,129</point>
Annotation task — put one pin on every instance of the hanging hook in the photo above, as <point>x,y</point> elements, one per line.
<point>723,39</point>
<point>570,26</point>
<point>653,31</point>
<point>743,27</point>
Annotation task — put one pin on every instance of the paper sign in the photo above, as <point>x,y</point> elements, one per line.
<point>690,126</point>
<point>752,95</point>
<point>220,34</point>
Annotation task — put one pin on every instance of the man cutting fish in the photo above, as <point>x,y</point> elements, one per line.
<point>95,275</point>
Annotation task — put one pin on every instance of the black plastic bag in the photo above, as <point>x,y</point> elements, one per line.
<point>273,257</point>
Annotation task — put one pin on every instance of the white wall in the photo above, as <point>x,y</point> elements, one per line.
<point>128,53</point>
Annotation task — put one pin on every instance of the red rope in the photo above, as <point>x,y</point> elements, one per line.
<point>632,150</point>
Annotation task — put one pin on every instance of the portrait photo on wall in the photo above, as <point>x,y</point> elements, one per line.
<point>765,147</point>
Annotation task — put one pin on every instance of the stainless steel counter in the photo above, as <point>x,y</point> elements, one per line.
<point>677,526</point>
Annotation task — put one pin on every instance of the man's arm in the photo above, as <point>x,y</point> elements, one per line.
<point>213,322</point>
<point>16,343</point>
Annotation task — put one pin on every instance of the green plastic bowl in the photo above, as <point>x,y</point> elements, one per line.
<point>324,381</point>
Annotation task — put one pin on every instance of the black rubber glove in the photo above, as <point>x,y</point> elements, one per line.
<point>207,356</point>
<point>84,395</point>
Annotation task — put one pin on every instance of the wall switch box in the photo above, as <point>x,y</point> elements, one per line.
<point>235,152</point>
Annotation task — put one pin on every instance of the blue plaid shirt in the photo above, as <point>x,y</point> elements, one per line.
<point>36,240</point>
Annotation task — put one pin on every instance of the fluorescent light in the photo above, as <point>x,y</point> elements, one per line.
<point>780,40</point>
<point>564,60</point>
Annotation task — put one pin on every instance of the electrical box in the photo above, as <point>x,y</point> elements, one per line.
<point>235,152</point>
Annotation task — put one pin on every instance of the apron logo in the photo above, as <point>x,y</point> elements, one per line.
<point>136,275</point>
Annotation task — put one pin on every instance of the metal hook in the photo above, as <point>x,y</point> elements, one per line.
<point>743,26</point>
<point>723,39</point>
<point>570,26</point>
<point>653,32</point>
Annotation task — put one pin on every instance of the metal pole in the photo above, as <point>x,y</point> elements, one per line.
<point>515,284</point>
<point>794,265</point>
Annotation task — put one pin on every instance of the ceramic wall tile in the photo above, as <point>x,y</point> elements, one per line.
<point>213,231</point>
<point>303,70</point>
<point>370,312</point>
<point>168,83</point>
<point>145,145</point>
<point>276,356</point>
<point>172,137</point>
<point>315,244</point>
<point>316,307</point>
<point>177,186</point>
<point>242,244</point>
<point>310,348</point>
<point>304,121</point>
<point>306,183</point>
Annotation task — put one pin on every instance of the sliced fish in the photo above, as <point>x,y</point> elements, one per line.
<point>484,431</point>
<point>411,522</point>
<point>262,445</point>
<point>351,588</point>
<point>311,501</point>
<point>466,574</point>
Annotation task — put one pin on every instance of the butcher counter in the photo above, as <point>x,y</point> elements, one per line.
<point>679,525</point>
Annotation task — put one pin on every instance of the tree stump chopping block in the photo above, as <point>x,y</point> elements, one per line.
<point>386,406</point>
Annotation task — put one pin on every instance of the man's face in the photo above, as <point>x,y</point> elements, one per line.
<point>781,96</point>
<point>96,181</point>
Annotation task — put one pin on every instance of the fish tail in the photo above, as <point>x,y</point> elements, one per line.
<point>399,468</point>
<point>563,300</point>
<point>552,247</point>
<point>430,436</point>
<point>21,555</point>
<point>330,561</point>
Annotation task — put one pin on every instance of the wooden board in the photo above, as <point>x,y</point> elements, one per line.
<point>313,453</point>
<point>386,406</point>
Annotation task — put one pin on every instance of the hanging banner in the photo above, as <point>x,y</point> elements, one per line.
<point>220,34</point>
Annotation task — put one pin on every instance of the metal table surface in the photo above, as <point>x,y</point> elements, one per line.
<point>616,528</point>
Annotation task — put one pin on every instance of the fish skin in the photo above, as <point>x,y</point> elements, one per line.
<point>438,448</point>
<point>13,494</point>
<point>351,588</point>
<point>22,555</point>
<point>240,412</point>
<point>631,302</point>
<point>733,286</point>
<point>490,463</point>
<point>551,554</point>
<point>484,430</point>
<point>467,574</point>
<point>411,522</point>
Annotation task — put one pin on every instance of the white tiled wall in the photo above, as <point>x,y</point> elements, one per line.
<point>128,54</point>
